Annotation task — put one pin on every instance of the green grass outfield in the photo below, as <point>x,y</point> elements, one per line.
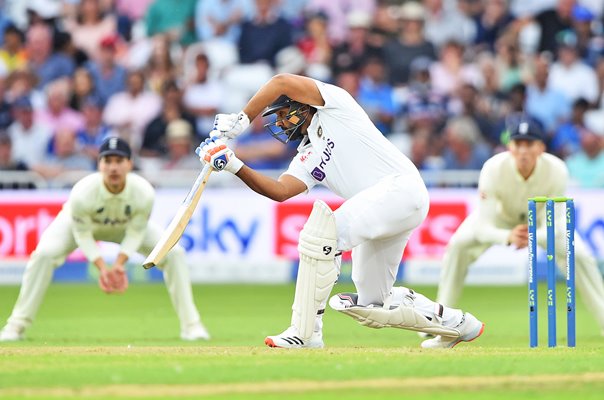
<point>85,344</point>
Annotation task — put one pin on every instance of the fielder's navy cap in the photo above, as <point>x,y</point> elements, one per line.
<point>524,128</point>
<point>115,146</point>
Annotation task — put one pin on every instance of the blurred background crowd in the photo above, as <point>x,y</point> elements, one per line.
<point>438,77</point>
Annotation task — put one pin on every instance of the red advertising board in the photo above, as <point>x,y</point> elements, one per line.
<point>22,224</point>
<point>429,240</point>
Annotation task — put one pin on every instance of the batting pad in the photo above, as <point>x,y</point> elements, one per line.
<point>400,317</point>
<point>317,271</point>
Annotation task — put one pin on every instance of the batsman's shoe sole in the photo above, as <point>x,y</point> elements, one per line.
<point>470,329</point>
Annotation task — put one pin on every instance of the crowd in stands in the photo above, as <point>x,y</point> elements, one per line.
<point>438,77</point>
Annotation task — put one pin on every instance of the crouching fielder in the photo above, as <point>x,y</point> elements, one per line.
<point>385,200</point>
<point>114,206</point>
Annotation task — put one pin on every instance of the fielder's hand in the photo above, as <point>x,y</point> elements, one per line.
<point>519,236</point>
<point>218,155</point>
<point>113,280</point>
<point>231,125</point>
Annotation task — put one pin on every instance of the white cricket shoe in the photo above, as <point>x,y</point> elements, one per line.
<point>195,332</point>
<point>290,339</point>
<point>469,328</point>
<point>12,333</point>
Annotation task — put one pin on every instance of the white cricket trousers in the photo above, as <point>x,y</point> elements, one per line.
<point>376,224</point>
<point>465,248</point>
<point>57,243</point>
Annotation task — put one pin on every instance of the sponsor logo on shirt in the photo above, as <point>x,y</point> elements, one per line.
<point>319,171</point>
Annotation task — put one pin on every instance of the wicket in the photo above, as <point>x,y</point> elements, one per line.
<point>551,269</point>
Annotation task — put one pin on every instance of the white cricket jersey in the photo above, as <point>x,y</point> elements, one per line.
<point>98,214</point>
<point>504,193</point>
<point>346,152</point>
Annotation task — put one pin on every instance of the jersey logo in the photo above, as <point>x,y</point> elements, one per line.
<point>128,210</point>
<point>320,132</point>
<point>318,174</point>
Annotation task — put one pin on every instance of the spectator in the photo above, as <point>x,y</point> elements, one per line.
<point>203,97</point>
<point>548,105</point>
<point>221,19</point>
<point>586,167</point>
<point>509,63</point>
<point>154,139</point>
<point>376,95</point>
<point>337,12</point>
<point>64,156</point>
<point>590,47</point>
<point>160,67</point>
<point>29,138</point>
<point>57,114</point>
<point>179,143</point>
<point>491,24</point>
<point>12,54</point>
<point>23,83</point>
<point>423,107</point>
<point>128,13</point>
<point>7,161</point>
<point>83,87</point>
<point>128,112</point>
<point>94,131</point>
<point>569,74</point>
<point>90,26</point>
<point>315,43</point>
<point>552,22</point>
<point>446,24</point>
<point>470,107</point>
<point>109,77</point>
<point>174,18</point>
<point>350,54</point>
<point>264,35</point>
<point>47,65</point>
<point>463,147</point>
<point>450,71</point>
<point>409,45</point>
<point>5,115</point>
<point>567,138</point>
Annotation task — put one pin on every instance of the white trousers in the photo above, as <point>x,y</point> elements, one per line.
<point>465,248</point>
<point>376,224</point>
<point>57,243</point>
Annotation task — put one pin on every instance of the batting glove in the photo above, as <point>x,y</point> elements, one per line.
<point>231,125</point>
<point>218,155</point>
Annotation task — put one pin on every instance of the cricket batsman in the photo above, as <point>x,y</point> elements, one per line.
<point>506,182</point>
<point>385,200</point>
<point>111,205</point>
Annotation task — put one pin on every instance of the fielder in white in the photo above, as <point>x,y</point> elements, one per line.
<point>111,205</point>
<point>506,182</point>
<point>386,200</point>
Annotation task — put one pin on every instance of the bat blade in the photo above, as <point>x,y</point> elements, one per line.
<point>176,228</point>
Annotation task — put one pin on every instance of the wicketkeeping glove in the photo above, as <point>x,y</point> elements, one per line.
<point>231,125</point>
<point>218,155</point>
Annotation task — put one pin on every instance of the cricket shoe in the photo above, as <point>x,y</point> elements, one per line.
<point>469,328</point>
<point>290,339</point>
<point>12,333</point>
<point>195,332</point>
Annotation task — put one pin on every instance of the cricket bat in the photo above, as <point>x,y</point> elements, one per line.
<point>177,226</point>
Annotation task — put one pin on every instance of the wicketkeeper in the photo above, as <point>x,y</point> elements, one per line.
<point>112,205</point>
<point>506,182</point>
<point>386,200</point>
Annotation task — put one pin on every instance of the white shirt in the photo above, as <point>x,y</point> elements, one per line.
<point>98,214</point>
<point>346,152</point>
<point>504,194</point>
<point>29,146</point>
<point>575,81</point>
